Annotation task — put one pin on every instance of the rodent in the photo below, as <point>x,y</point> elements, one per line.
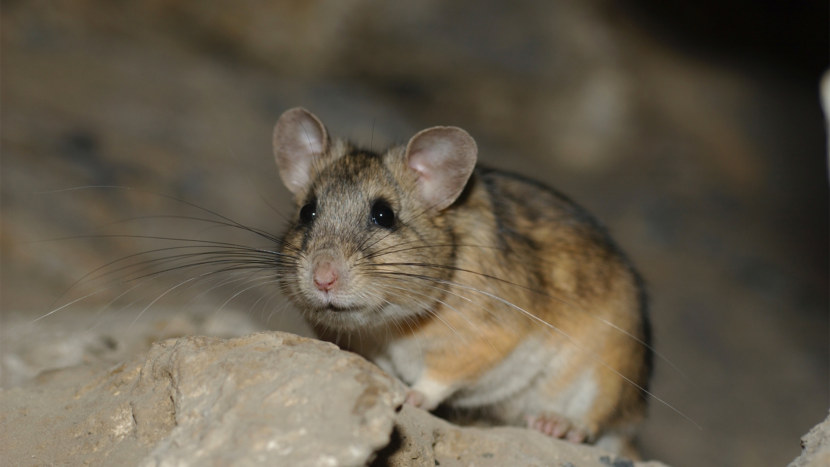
<point>479,289</point>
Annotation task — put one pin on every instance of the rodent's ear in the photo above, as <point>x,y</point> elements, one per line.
<point>444,158</point>
<point>299,137</point>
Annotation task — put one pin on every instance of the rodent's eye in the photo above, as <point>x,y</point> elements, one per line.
<point>383,215</point>
<point>308,212</point>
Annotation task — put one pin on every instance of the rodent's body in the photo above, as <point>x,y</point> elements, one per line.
<point>486,291</point>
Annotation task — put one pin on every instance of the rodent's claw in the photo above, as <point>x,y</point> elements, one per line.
<point>557,426</point>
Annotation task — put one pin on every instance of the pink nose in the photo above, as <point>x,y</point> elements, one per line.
<point>325,276</point>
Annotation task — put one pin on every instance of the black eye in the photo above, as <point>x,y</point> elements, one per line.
<point>308,212</point>
<point>383,215</point>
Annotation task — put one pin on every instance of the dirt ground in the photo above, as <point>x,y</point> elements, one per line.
<point>700,149</point>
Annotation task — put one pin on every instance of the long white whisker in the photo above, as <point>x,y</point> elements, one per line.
<point>556,329</point>
<point>545,294</point>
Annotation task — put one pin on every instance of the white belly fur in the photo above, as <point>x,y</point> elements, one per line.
<point>519,386</point>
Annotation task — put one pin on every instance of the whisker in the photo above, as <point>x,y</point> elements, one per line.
<point>391,249</point>
<point>547,295</point>
<point>436,315</point>
<point>259,232</point>
<point>154,301</point>
<point>50,313</point>
<point>363,245</point>
<point>107,306</point>
<point>556,329</point>
<point>258,283</point>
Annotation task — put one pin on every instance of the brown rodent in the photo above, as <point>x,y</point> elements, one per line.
<point>477,288</point>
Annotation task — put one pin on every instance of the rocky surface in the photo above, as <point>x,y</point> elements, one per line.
<point>815,447</point>
<point>102,339</point>
<point>420,439</point>
<point>267,398</point>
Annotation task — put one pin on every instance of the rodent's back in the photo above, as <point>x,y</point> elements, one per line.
<point>542,235</point>
<point>553,259</point>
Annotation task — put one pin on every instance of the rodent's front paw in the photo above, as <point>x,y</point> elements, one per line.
<point>416,398</point>
<point>557,426</point>
<point>427,393</point>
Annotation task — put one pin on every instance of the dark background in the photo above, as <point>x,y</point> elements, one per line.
<point>692,129</point>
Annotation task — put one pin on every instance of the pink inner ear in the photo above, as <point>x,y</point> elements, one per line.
<point>419,167</point>
<point>311,136</point>
<point>444,158</point>
<point>298,138</point>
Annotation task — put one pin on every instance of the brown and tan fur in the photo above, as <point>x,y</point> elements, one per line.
<point>496,294</point>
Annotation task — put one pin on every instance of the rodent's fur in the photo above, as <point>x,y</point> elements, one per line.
<point>489,290</point>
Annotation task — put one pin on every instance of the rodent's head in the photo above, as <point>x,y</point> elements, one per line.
<point>370,241</point>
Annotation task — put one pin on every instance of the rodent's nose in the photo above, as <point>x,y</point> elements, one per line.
<point>325,276</point>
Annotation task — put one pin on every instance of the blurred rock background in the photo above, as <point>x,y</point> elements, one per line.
<point>693,131</point>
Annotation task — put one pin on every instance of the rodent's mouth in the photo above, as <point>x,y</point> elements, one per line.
<point>325,302</point>
<point>341,309</point>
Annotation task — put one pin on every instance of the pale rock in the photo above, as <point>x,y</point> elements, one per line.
<point>102,338</point>
<point>421,439</point>
<point>267,398</point>
<point>815,447</point>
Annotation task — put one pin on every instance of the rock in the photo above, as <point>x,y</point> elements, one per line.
<point>421,439</point>
<point>815,446</point>
<point>267,398</point>
<point>103,338</point>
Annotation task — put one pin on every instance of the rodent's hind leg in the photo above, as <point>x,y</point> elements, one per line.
<point>557,426</point>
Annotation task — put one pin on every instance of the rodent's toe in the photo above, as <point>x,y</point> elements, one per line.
<point>576,435</point>
<point>557,426</point>
<point>415,398</point>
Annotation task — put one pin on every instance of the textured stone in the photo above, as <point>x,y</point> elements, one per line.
<point>815,447</point>
<point>103,339</point>
<point>268,398</point>
<point>421,439</point>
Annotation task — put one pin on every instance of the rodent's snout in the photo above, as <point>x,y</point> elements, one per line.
<point>328,273</point>
<point>325,275</point>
